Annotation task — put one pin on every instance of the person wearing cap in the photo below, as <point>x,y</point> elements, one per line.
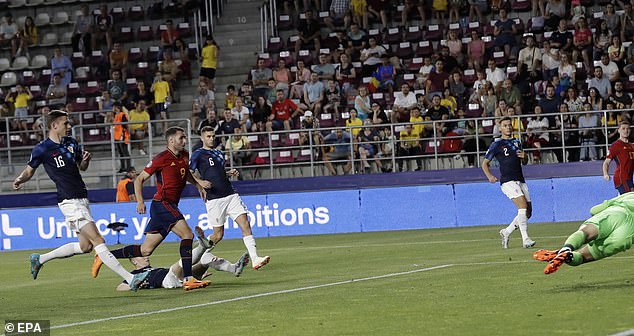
<point>125,189</point>
<point>309,122</point>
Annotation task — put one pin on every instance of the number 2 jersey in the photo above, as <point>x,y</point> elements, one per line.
<point>505,151</point>
<point>210,164</point>
<point>171,175</point>
<point>623,154</point>
<point>60,163</point>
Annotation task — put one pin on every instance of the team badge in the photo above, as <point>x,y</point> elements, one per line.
<point>71,149</point>
<point>173,164</point>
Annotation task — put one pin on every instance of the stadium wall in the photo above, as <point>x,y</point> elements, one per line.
<point>330,212</point>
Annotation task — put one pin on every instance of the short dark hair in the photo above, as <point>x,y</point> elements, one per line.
<point>624,122</point>
<point>505,119</point>
<point>207,129</point>
<point>54,115</point>
<point>172,131</point>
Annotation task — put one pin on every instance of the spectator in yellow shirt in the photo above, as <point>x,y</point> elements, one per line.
<point>20,101</point>
<point>162,97</point>
<point>409,145</point>
<point>138,131</point>
<point>209,56</point>
<point>354,122</point>
<point>415,117</point>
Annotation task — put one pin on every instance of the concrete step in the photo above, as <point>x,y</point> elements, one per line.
<point>244,38</point>
<point>244,63</point>
<point>227,28</point>
<point>240,17</point>
<point>234,48</point>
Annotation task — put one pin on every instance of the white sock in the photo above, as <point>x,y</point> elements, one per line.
<point>64,251</point>
<point>112,262</point>
<point>211,261</point>
<point>521,223</point>
<point>249,242</point>
<point>512,227</point>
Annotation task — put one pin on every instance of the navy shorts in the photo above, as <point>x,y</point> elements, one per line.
<point>163,216</point>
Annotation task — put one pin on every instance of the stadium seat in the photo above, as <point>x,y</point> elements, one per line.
<point>131,83</point>
<point>424,48</point>
<point>96,134</point>
<point>413,34</point>
<point>49,40</point>
<point>44,79</point>
<point>34,3</point>
<point>292,40</point>
<point>184,30</point>
<point>255,141</point>
<point>268,62</point>
<point>474,26</point>
<point>73,90</point>
<point>135,55</point>
<point>60,18</point>
<point>80,103</point>
<point>326,120</point>
<point>292,139</point>
<point>20,63</point>
<point>192,51</point>
<point>145,33</point>
<point>260,158</point>
<point>141,70</point>
<point>67,39</point>
<point>97,58</point>
<point>88,118</point>
<point>287,57</point>
<point>276,140</point>
<point>415,64</point>
<point>135,13</point>
<point>152,53</point>
<point>275,45</point>
<point>283,156</point>
<point>521,5</point>
<point>393,36</point>
<point>469,77</point>
<point>117,14</point>
<point>330,42</point>
<point>455,27</point>
<point>304,155</point>
<point>17,3</point>
<point>473,110</point>
<point>5,64</point>
<point>83,74</point>
<point>36,91</point>
<point>126,35</point>
<point>92,89</point>
<point>8,79</point>
<point>51,2</point>
<point>519,25</point>
<point>78,59</point>
<point>499,57</point>
<point>284,22</point>
<point>306,57</point>
<point>15,140</point>
<point>629,84</point>
<point>161,28</point>
<point>404,50</point>
<point>533,29</point>
<point>28,77</point>
<point>434,32</point>
<point>42,19</point>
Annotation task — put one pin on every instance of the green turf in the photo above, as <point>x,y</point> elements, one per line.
<point>485,291</point>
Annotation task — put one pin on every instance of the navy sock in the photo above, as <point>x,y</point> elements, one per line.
<point>129,251</point>
<point>186,257</point>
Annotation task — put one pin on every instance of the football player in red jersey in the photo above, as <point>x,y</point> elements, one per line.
<point>621,151</point>
<point>171,167</point>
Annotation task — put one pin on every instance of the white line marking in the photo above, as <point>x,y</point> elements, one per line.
<point>624,333</point>
<point>250,297</point>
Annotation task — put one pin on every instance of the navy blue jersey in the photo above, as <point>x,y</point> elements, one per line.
<point>210,164</point>
<point>505,151</point>
<point>60,162</point>
<point>154,279</point>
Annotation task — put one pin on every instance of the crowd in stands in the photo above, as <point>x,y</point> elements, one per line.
<point>361,63</point>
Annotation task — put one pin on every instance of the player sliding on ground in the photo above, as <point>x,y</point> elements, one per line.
<point>173,277</point>
<point>63,158</point>
<point>208,166</point>
<point>609,231</point>
<point>172,169</point>
<point>508,151</point>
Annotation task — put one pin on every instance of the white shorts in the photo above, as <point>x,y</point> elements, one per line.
<point>218,209</point>
<point>76,212</point>
<point>171,280</point>
<point>515,189</point>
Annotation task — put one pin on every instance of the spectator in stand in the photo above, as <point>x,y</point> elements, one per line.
<point>282,76</point>
<point>475,51</point>
<point>28,37</point>
<point>20,100</point>
<point>417,121</point>
<point>104,28</point>
<point>550,102</point>
<point>117,87</point>
<point>594,99</point>
<point>385,74</point>
<point>39,126</point>
<point>162,99</point>
<point>476,8</point>
<point>211,120</point>
<point>168,68</point>
<point>272,96</point>
<point>227,125</point>
<point>142,93</point>
<point>309,123</point>
<point>601,39</point>
<point>209,61</point>
<point>511,94</point>
<point>587,123</point>
<point>404,101</point>
<point>283,112</point>
<point>138,131</point>
<point>240,147</point>
<point>377,9</point>
<point>324,70</point>
<point>371,57</point>
<point>260,116</point>
<point>309,33</point>
<point>550,62</point>
<point>423,72</point>
<point>504,33</point>
<point>457,88</point>
<point>340,142</point>
<point>62,66</point>
<point>561,39</point>
<point>612,19</point>
<point>168,38</point>
<point>567,70</point>
<point>582,41</point>
<point>531,56</point>
<point>437,80</point>
<point>359,9</point>
<point>409,145</point>
<point>231,96</point>
<point>9,34</point>
<point>610,69</point>
<point>82,31</point>
<point>313,94</point>
<point>619,98</point>
<point>408,9</point>
<point>332,98</point>
<point>339,14</point>
<point>627,22</point>
<point>56,93</point>
<point>204,98</point>
<point>340,45</point>
<point>353,123</point>
<point>616,51</point>
<point>600,82</point>
<point>243,115</point>
<point>105,103</point>
<point>357,38</point>
<point>574,102</point>
<point>378,115</point>
<point>367,147</point>
<point>436,111</point>
<point>302,75</point>
<point>362,102</point>
<point>450,102</point>
<point>346,74</point>
<point>537,133</point>
<point>555,12</point>
<point>455,47</point>
<point>119,60</point>
<point>495,75</point>
<point>489,101</point>
<point>260,77</point>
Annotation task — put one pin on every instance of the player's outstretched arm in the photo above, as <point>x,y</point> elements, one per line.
<point>606,166</point>
<point>24,176</point>
<point>85,161</point>
<point>138,191</point>
<point>233,172</point>
<point>487,171</point>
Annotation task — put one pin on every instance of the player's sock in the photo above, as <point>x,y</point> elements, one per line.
<point>186,257</point>
<point>577,259</point>
<point>219,264</point>
<point>112,262</point>
<point>575,240</point>
<point>249,242</point>
<point>197,253</point>
<point>521,223</point>
<point>509,229</point>
<point>129,251</point>
<point>64,251</point>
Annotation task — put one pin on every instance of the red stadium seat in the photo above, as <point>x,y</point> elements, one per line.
<point>326,120</point>
<point>304,155</point>
<point>284,22</point>
<point>126,35</point>
<point>473,110</point>
<point>93,89</point>
<point>404,50</point>
<point>424,48</point>
<point>306,57</point>
<point>275,45</point>
<point>469,77</point>
<point>135,55</point>
<point>413,34</point>
<point>283,156</point>
<point>152,53</point>
<point>434,32</point>
<point>117,14</point>
<point>131,83</point>
<point>521,5</point>
<point>145,33</point>
<point>455,27</point>
<point>73,90</point>
<point>78,59</point>
<point>36,91</point>
<point>184,30</point>
<point>394,36</point>
<point>255,141</point>
<point>28,77</point>
<point>45,78</point>
<point>135,13</point>
<point>141,70</point>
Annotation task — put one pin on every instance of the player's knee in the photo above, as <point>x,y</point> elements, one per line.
<point>146,251</point>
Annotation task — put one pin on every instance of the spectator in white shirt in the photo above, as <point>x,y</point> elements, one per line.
<point>495,75</point>
<point>610,69</point>
<point>404,101</point>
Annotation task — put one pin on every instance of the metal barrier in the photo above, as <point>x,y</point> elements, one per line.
<point>268,22</point>
<point>295,153</point>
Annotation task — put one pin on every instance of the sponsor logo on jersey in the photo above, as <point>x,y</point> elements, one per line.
<point>173,164</point>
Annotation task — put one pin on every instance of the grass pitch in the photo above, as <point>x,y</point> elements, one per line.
<point>425,282</point>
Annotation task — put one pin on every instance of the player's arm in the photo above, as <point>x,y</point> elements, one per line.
<point>24,176</point>
<point>85,161</point>
<point>194,178</point>
<point>233,172</point>
<point>487,171</point>
<point>138,191</point>
<point>606,165</point>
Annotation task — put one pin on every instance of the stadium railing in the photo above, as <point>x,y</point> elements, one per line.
<point>302,152</point>
<point>268,22</point>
